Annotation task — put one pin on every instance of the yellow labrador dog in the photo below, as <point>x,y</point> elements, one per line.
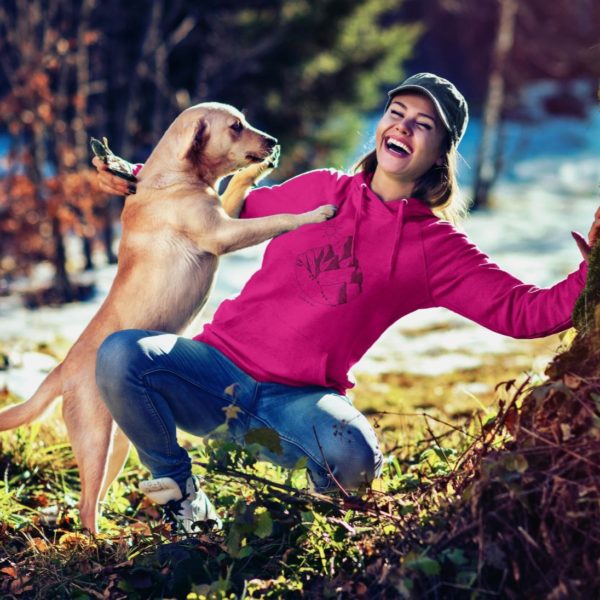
<point>174,229</point>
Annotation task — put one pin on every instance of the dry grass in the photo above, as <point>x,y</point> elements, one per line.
<point>455,475</point>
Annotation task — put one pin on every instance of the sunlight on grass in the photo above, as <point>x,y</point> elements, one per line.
<point>277,536</point>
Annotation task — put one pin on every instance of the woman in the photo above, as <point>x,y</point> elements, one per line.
<point>282,349</point>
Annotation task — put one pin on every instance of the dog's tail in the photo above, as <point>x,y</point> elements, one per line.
<point>26,412</point>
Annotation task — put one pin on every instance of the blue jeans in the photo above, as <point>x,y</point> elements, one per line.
<point>154,383</point>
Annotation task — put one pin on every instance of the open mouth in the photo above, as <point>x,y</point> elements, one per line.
<point>268,151</point>
<point>397,147</point>
<point>254,158</point>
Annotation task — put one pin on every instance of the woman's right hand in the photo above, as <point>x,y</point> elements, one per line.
<point>585,247</point>
<point>109,183</point>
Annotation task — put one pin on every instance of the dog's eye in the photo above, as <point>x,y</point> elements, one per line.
<point>237,126</point>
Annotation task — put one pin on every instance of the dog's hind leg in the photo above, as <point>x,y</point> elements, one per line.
<point>26,412</point>
<point>89,425</point>
<point>118,453</point>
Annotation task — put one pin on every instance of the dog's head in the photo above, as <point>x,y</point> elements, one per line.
<point>216,139</point>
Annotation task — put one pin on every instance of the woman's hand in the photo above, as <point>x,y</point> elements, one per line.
<point>586,247</point>
<point>109,183</point>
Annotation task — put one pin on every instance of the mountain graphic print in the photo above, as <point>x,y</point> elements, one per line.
<point>328,274</point>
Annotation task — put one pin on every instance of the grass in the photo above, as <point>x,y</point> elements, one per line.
<point>278,539</point>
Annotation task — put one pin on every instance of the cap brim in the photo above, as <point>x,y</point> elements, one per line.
<point>436,104</point>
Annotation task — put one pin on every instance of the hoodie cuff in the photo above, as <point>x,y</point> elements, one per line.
<point>582,272</point>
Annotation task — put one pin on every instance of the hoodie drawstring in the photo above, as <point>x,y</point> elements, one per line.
<point>357,218</point>
<point>397,235</point>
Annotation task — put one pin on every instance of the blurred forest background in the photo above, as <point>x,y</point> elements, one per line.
<point>310,73</point>
<point>460,510</point>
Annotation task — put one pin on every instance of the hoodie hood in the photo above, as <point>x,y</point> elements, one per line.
<point>402,208</point>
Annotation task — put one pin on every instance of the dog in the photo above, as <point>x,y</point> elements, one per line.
<point>174,229</point>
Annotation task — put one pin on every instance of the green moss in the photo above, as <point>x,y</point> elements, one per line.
<point>584,313</point>
<point>583,356</point>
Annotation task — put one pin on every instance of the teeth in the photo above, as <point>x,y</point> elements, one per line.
<point>399,145</point>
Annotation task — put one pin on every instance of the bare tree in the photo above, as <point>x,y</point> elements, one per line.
<point>486,170</point>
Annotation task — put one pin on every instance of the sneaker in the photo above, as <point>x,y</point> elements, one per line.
<point>179,510</point>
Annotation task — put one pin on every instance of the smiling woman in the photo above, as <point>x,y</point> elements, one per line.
<point>281,351</point>
<point>409,142</point>
<point>424,120</point>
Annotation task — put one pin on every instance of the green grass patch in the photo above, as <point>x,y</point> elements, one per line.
<point>279,540</point>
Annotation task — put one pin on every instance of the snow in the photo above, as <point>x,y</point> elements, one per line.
<point>549,188</point>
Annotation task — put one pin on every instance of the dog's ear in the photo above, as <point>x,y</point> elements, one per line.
<point>194,146</point>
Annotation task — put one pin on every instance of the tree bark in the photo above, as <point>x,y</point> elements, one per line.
<point>79,123</point>
<point>486,172</point>
<point>150,40</point>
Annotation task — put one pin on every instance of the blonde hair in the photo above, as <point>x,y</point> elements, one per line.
<point>438,187</point>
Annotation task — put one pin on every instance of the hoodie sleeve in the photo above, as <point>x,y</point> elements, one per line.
<point>463,279</point>
<point>297,195</point>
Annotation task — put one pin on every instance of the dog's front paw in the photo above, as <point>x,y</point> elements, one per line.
<point>252,174</point>
<point>323,213</point>
<point>267,165</point>
<point>272,161</point>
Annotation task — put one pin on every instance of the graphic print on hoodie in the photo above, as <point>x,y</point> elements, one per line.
<point>327,291</point>
<point>329,274</point>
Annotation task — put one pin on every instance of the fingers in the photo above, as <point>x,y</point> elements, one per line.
<point>583,246</point>
<point>109,183</point>
<point>595,229</point>
<point>99,164</point>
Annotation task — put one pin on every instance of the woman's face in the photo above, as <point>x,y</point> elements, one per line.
<point>409,137</point>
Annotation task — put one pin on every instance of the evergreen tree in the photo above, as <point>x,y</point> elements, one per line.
<point>304,71</point>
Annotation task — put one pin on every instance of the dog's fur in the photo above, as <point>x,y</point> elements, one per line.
<point>174,229</point>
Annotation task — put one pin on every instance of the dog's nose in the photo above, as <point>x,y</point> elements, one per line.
<point>270,142</point>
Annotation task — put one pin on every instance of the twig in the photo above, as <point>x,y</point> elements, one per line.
<point>267,482</point>
<point>423,414</point>
<point>437,442</point>
<point>337,483</point>
<point>555,445</point>
<point>310,496</point>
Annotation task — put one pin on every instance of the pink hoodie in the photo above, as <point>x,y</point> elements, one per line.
<point>327,291</point>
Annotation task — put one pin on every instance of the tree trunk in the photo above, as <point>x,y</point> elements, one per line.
<point>79,123</point>
<point>582,358</point>
<point>485,172</point>
<point>108,234</point>
<point>82,66</point>
<point>151,38</point>
<point>62,284</point>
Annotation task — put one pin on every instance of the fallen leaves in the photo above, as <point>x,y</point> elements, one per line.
<point>73,539</point>
<point>20,582</point>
